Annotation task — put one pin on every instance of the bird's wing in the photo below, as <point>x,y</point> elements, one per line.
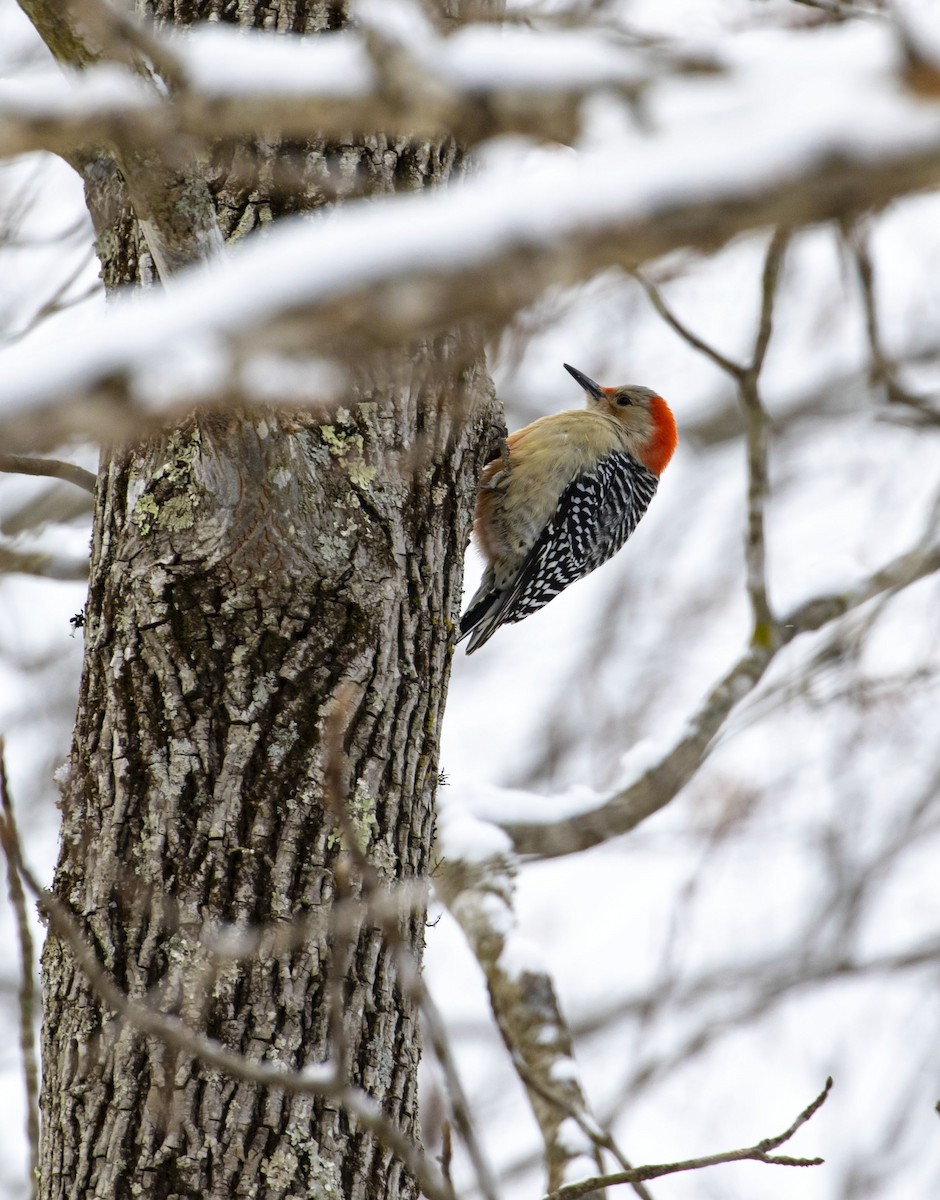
<point>595,515</point>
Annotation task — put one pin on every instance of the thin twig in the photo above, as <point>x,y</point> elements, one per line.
<point>602,1139</point>
<point>657,786</point>
<point>760,1152</point>
<point>57,302</point>
<point>447,1151</point>
<point>773,261</point>
<point>24,464</point>
<point>460,1105</point>
<point>764,625</point>
<point>656,299</point>
<point>479,895</point>
<point>746,378</point>
<point>882,371</point>
<point>27,993</point>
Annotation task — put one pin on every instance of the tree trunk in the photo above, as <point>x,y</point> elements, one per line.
<point>247,568</point>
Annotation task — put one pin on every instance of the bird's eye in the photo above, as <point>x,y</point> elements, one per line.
<point>622,401</point>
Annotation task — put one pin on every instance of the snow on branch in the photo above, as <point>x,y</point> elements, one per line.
<point>171,198</point>
<point>476,881</point>
<point>720,156</point>
<point>480,81</point>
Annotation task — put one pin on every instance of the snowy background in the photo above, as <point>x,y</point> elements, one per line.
<point>780,920</point>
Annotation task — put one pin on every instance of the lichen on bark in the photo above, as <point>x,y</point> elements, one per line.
<point>248,568</point>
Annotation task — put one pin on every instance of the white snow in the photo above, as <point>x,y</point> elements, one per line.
<point>716,142</point>
<point>521,956</point>
<point>667,932</point>
<point>462,836</point>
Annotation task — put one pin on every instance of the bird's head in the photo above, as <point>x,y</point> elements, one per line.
<point>644,415</point>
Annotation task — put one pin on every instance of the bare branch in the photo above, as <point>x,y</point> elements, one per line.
<point>773,261</point>
<point>42,564</point>
<point>60,301</point>
<point>697,343</point>
<point>460,1105</point>
<point>883,371</point>
<point>746,378</point>
<point>755,553</point>
<point>760,1152</point>
<point>662,782</point>
<point>24,464</point>
<point>27,996</point>
<point>335,792</point>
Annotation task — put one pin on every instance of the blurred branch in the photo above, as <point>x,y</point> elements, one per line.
<point>23,464</point>
<point>171,200</point>
<point>474,84</point>
<point>42,564</point>
<point>841,10</point>
<point>321,1079</point>
<point>747,378</point>
<point>57,503</point>
<point>426,108</point>
<point>60,301</point>
<point>479,895</point>
<point>395,271</point>
<point>883,370</point>
<point>27,992</point>
<point>760,1152</point>
<point>662,782</point>
<point>772,981</point>
<point>460,1105</point>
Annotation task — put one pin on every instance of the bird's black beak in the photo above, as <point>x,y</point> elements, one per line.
<point>592,388</point>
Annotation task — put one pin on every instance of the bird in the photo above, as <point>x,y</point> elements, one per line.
<point>561,497</point>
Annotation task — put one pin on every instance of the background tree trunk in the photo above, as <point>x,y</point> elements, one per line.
<point>246,567</point>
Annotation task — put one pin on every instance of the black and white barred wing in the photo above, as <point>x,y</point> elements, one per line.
<point>626,488</point>
<point>596,514</point>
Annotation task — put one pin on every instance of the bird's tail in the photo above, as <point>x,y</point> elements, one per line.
<point>481,620</point>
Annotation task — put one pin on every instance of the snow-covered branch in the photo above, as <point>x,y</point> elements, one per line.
<point>380,274</point>
<point>475,879</point>
<point>478,82</point>
<point>170,198</point>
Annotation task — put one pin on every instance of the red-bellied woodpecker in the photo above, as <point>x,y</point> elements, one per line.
<point>563,496</point>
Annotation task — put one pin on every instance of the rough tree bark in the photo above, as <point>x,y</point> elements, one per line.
<point>246,567</point>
